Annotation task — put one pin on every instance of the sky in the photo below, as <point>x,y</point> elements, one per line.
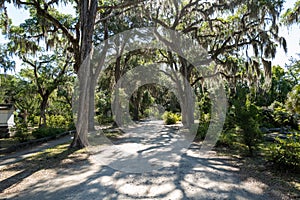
<point>291,34</point>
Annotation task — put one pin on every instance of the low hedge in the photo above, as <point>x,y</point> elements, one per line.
<point>47,132</point>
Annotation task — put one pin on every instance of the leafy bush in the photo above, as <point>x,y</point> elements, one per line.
<point>59,121</point>
<point>286,152</point>
<point>46,132</point>
<point>21,133</point>
<point>202,130</point>
<point>102,119</point>
<point>152,112</point>
<point>228,138</point>
<point>204,122</point>
<point>246,117</point>
<point>278,116</point>
<point>171,118</point>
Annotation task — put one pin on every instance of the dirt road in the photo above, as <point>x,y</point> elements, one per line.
<point>189,176</point>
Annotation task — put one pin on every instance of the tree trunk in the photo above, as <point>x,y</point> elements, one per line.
<point>117,105</point>
<point>25,116</point>
<point>136,105</point>
<point>187,109</point>
<point>88,10</point>
<point>136,110</point>
<point>91,123</point>
<point>80,138</point>
<point>43,106</point>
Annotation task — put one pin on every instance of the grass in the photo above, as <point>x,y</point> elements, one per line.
<point>56,154</point>
<point>7,142</point>
<point>60,157</point>
<point>113,134</point>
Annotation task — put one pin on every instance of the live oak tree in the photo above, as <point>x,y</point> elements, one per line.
<point>79,33</point>
<point>22,93</point>
<point>226,29</point>
<point>47,72</point>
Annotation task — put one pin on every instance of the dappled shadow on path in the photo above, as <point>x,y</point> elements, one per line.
<point>190,175</point>
<point>196,177</point>
<point>24,169</point>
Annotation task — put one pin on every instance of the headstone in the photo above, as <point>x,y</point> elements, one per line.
<point>6,119</point>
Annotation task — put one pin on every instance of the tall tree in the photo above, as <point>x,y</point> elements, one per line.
<point>79,32</point>
<point>47,72</point>
<point>226,30</point>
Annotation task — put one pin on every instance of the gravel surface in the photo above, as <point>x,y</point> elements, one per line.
<point>192,176</point>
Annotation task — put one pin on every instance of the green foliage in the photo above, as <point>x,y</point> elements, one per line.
<point>21,132</point>
<point>59,121</point>
<point>6,61</point>
<point>278,116</point>
<point>153,112</point>
<point>228,138</point>
<point>286,152</point>
<point>46,132</point>
<point>204,122</point>
<point>147,100</point>
<point>171,118</point>
<point>291,15</point>
<point>71,126</point>
<point>281,115</point>
<point>102,119</point>
<point>293,100</point>
<point>244,117</point>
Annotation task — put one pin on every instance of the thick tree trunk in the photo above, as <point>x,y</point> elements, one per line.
<point>117,105</point>
<point>117,109</point>
<point>187,107</point>
<point>91,123</point>
<point>136,110</point>
<point>88,10</point>
<point>80,138</point>
<point>136,105</point>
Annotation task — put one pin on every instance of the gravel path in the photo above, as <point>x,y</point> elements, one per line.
<point>192,176</point>
<point>25,153</point>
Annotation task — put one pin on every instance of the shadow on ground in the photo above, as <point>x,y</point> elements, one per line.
<point>209,177</point>
<point>63,175</point>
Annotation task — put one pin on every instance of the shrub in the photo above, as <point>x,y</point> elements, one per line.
<point>204,122</point>
<point>247,123</point>
<point>102,119</point>
<point>228,138</point>
<point>22,133</point>
<point>285,152</point>
<point>59,121</point>
<point>171,118</point>
<point>46,132</point>
<point>202,130</point>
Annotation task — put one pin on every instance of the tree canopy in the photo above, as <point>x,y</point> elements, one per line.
<point>241,37</point>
